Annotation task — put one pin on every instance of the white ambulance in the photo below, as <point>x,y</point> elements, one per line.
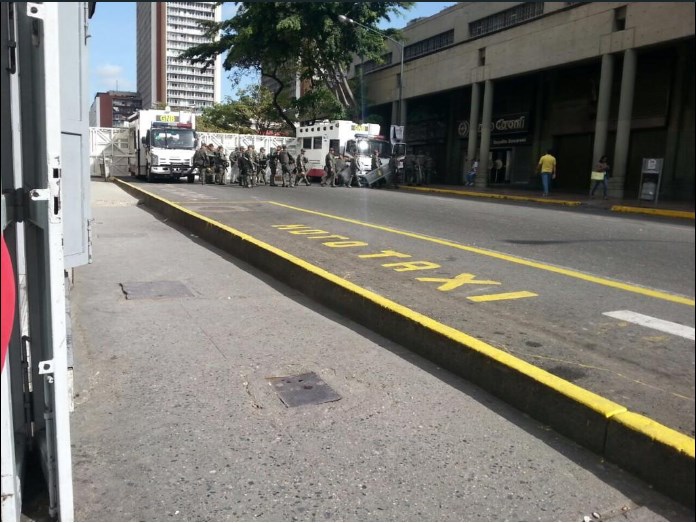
<point>347,139</point>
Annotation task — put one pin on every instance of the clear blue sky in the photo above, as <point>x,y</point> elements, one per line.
<point>112,44</point>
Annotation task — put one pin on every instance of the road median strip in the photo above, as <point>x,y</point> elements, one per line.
<point>660,455</point>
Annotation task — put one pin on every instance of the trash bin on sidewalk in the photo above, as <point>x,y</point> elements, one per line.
<point>650,178</point>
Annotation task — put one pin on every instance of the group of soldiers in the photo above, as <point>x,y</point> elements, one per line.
<point>250,167</point>
<point>418,169</point>
<point>211,163</point>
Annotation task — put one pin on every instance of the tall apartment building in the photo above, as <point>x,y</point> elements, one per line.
<point>164,30</point>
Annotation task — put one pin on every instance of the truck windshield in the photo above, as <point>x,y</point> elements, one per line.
<point>173,138</point>
<point>367,146</point>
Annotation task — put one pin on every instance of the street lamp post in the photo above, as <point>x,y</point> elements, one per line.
<point>345,20</point>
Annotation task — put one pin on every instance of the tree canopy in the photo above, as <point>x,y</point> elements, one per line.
<point>280,40</point>
<point>251,113</point>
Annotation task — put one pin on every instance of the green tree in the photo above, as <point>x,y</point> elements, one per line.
<point>252,113</point>
<point>319,103</point>
<point>282,39</point>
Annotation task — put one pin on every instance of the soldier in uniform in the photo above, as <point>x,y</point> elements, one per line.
<point>330,168</point>
<point>428,168</point>
<point>301,168</point>
<point>285,160</point>
<point>200,162</point>
<point>375,160</point>
<point>253,158</point>
<point>352,171</point>
<point>210,153</point>
<point>409,168</point>
<point>273,164</point>
<point>234,169</point>
<point>262,164</point>
<point>245,167</point>
<point>394,168</point>
<point>221,165</point>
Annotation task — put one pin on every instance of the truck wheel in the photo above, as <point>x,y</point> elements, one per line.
<point>148,174</point>
<point>191,178</point>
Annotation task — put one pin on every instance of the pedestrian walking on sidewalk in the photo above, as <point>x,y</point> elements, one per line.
<point>471,175</point>
<point>603,168</point>
<point>547,168</point>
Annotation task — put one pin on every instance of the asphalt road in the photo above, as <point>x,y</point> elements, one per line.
<point>574,292</point>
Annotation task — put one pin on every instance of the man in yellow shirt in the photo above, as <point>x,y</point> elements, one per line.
<point>547,167</point>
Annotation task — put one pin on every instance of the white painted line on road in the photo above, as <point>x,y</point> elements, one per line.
<point>653,323</point>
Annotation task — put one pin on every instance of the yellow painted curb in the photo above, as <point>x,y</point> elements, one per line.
<point>679,442</point>
<point>655,212</point>
<point>570,203</point>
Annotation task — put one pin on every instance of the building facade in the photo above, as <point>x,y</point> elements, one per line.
<point>164,31</point>
<point>112,108</point>
<point>508,80</point>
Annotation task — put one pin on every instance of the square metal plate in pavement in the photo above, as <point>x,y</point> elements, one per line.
<point>155,289</point>
<point>304,389</point>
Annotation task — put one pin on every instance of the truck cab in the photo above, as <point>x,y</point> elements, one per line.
<point>163,143</point>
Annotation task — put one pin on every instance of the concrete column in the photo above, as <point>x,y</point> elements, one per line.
<point>603,103</point>
<point>623,125</point>
<point>674,138</point>
<point>473,124</point>
<point>538,114</point>
<point>482,178</point>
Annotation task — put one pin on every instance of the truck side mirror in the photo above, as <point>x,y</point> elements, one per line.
<point>143,140</point>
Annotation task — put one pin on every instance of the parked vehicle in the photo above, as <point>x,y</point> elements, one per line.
<point>163,143</point>
<point>348,139</point>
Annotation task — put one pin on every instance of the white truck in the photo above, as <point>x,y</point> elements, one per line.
<point>348,139</point>
<point>163,143</point>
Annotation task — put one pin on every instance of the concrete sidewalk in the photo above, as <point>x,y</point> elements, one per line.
<point>176,419</point>
<point>667,209</point>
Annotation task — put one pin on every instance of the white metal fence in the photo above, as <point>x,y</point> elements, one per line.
<point>109,151</point>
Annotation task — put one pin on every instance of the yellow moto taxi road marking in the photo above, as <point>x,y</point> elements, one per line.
<point>502,296</point>
<point>661,295</point>
<point>448,284</point>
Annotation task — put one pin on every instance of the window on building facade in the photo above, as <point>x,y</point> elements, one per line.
<point>429,44</point>
<point>620,18</point>
<point>504,19</point>
<point>371,65</point>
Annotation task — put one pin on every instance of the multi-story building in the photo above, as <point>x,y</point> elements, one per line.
<point>164,31</point>
<point>508,80</point>
<point>112,108</point>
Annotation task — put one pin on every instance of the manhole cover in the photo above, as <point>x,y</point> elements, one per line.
<point>155,289</point>
<point>305,389</point>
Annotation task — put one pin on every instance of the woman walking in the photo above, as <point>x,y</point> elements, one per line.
<point>601,167</point>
